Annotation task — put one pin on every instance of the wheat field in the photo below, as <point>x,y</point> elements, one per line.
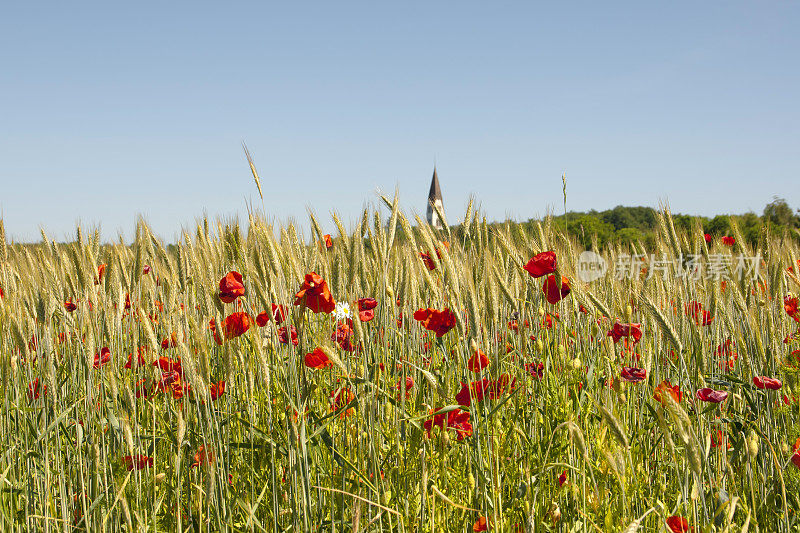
<point>391,376</point>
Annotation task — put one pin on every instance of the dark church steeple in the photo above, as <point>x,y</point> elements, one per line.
<point>435,198</point>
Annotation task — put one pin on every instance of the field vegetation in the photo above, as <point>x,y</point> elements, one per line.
<point>390,376</point>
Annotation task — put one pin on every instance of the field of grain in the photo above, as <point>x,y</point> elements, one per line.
<point>390,376</point>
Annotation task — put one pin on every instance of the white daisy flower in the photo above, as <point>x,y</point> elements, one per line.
<point>342,310</point>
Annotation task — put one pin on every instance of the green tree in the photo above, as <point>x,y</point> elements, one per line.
<point>586,226</point>
<point>628,235</point>
<point>719,225</point>
<point>778,212</point>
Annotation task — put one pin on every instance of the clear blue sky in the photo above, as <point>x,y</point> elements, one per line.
<point>110,109</point>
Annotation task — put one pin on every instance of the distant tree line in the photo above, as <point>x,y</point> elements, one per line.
<point>625,225</point>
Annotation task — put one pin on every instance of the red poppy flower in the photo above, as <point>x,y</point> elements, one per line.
<point>140,361</point>
<point>478,361</point>
<point>340,398</point>
<point>202,457</point>
<point>562,478</point>
<point>70,306</point>
<point>137,462</point>
<point>170,382</point>
<point>2,294</point>
<point>725,352</point>
<point>541,264</point>
<point>102,358</point>
<point>664,388</point>
<point>231,287</point>
<point>790,305</point>
<point>170,342</point>
<point>217,390</point>
<point>707,238</point>
<point>718,439</point>
<point>147,269</point>
<point>100,271</point>
<point>283,336</point>
<point>480,524</point>
<point>141,388</point>
<point>35,391</point>
<point>796,459</point>
<point>632,374</point>
<point>440,322</point>
<point>328,241</point>
<point>315,295</point>
<point>456,419</point>
<point>212,326</point>
<point>728,241</point>
<point>317,359</point>
<point>366,309</point>
<point>476,390</point>
<point>343,335</point>
<point>236,324</point>
<point>552,291</point>
<point>426,258</point>
<point>504,383</point>
<point>278,314</point>
<point>165,364</point>
<point>678,524</point>
<point>409,386</point>
<point>764,382</point>
<point>700,316</point>
<point>485,388</point>
<point>711,396</point>
<point>625,330</point>
<point>535,369</point>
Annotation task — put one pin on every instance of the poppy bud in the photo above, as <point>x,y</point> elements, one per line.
<point>473,346</point>
<point>784,448</point>
<point>389,292</point>
<point>541,312</point>
<point>471,482</point>
<point>554,512</point>
<point>577,364</point>
<point>562,351</point>
<point>628,313</point>
<point>386,497</point>
<point>159,478</point>
<point>539,346</point>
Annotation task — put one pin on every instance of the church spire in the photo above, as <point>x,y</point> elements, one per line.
<point>435,198</point>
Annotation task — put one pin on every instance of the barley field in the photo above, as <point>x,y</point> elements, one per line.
<point>385,375</point>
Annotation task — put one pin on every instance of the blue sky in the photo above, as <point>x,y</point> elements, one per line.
<point>111,110</point>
